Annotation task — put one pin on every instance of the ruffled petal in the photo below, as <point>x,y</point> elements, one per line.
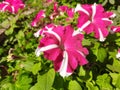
<point>63,68</point>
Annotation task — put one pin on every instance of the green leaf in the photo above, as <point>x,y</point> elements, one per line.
<point>36,68</point>
<point>115,67</point>
<point>95,48</point>
<point>60,80</point>
<point>103,81</point>
<point>115,79</point>
<point>44,81</point>
<point>91,86</point>
<point>20,35</point>
<point>86,42</point>
<point>74,85</point>
<point>6,85</point>
<point>23,82</point>
<point>112,1</point>
<point>88,77</point>
<point>9,31</point>
<point>104,2</point>
<point>82,72</point>
<point>5,24</point>
<point>101,54</point>
<point>28,65</point>
<point>118,8</point>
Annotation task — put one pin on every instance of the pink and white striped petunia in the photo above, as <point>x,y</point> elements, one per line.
<point>115,29</point>
<point>93,18</point>
<point>38,17</point>
<point>118,54</point>
<point>63,49</point>
<point>11,6</point>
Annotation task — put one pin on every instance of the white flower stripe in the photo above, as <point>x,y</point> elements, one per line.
<point>79,30</point>
<point>37,34</point>
<point>113,15</point>
<point>114,29</point>
<point>93,11</point>
<point>79,8</point>
<point>101,37</point>
<point>3,9</point>
<point>106,19</point>
<point>43,15</point>
<point>4,2</point>
<point>63,68</point>
<point>22,5</point>
<point>54,33</point>
<point>81,53</point>
<point>76,32</point>
<point>13,9</point>
<point>84,25</point>
<point>42,49</point>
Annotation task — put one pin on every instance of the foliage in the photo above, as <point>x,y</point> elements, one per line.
<point>20,69</point>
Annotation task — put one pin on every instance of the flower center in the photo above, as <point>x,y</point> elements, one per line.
<point>62,47</point>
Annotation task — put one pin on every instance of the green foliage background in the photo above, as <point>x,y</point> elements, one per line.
<point>20,69</point>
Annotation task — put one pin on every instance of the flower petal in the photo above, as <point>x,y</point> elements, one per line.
<point>63,69</point>
<point>53,33</point>
<point>38,33</point>
<point>101,37</point>
<point>42,49</point>
<point>72,61</point>
<point>81,58</point>
<point>4,8</point>
<point>84,25</point>
<point>13,9</point>
<point>53,54</point>
<point>79,8</point>
<point>93,11</point>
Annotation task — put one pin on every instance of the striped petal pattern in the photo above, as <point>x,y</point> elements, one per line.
<point>93,18</point>
<point>11,6</point>
<point>65,50</point>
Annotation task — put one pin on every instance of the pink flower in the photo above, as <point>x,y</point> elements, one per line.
<point>11,5</point>
<point>70,12</point>
<point>66,9</point>
<point>115,29</point>
<point>118,54</point>
<point>63,49</point>
<point>93,18</point>
<point>40,15</point>
<point>55,7</point>
<point>61,10</point>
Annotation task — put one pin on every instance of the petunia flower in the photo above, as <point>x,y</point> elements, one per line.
<point>55,11</point>
<point>60,10</point>
<point>11,6</point>
<point>38,17</point>
<point>118,54</point>
<point>93,18</point>
<point>63,49</point>
<point>115,29</point>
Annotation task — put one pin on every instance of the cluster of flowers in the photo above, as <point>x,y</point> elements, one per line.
<point>62,44</point>
<point>11,6</point>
